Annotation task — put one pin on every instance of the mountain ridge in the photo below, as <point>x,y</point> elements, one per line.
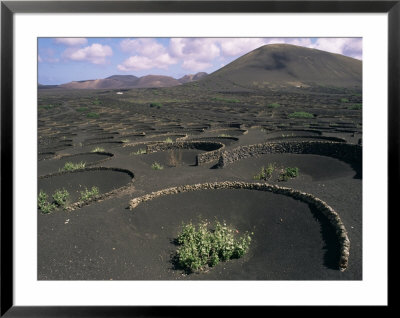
<point>128,81</point>
<point>286,65</point>
<point>272,66</point>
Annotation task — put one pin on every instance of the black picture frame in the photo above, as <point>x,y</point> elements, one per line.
<point>8,8</point>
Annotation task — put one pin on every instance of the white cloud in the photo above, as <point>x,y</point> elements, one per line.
<point>195,53</point>
<point>239,46</point>
<point>199,49</point>
<point>146,47</point>
<point>148,54</point>
<point>71,41</point>
<point>196,66</point>
<point>96,53</point>
<point>138,62</point>
<point>39,59</point>
<point>306,42</point>
<point>346,46</point>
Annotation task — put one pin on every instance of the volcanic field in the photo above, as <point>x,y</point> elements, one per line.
<point>161,157</point>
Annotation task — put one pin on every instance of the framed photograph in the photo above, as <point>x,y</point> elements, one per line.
<point>160,155</point>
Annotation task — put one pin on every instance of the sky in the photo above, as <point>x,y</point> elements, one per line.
<point>62,60</point>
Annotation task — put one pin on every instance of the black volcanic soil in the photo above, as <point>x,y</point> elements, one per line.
<point>311,167</point>
<point>76,181</point>
<point>105,240</point>
<point>290,241</point>
<point>54,165</point>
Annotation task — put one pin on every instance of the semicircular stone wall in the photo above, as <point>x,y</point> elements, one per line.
<point>320,205</point>
<point>347,152</point>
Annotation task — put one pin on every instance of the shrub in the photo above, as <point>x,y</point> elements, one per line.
<point>82,109</point>
<point>92,115</point>
<point>265,173</point>
<point>60,197</point>
<point>344,100</point>
<point>42,199</point>
<point>273,105</point>
<point>201,247</point>
<point>158,105</point>
<point>289,173</point>
<point>98,149</point>
<point>43,204</point>
<point>168,140</point>
<point>139,152</point>
<point>70,166</point>
<point>300,115</point>
<point>224,135</point>
<point>156,166</point>
<point>356,107</point>
<point>89,194</point>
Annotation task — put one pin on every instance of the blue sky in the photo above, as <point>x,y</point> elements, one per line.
<point>61,60</point>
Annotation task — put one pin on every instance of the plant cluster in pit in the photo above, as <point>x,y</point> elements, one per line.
<point>157,105</point>
<point>156,166</point>
<point>141,151</point>
<point>356,107</point>
<point>289,173</point>
<point>60,198</point>
<point>202,247</point>
<point>70,166</point>
<point>87,194</point>
<point>92,115</point>
<point>96,102</point>
<point>265,173</point>
<point>98,149</point>
<point>285,173</point>
<point>273,105</point>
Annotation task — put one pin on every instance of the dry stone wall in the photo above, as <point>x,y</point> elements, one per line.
<point>320,205</point>
<point>346,152</point>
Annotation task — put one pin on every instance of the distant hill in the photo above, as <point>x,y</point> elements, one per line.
<point>150,81</point>
<point>128,81</point>
<point>192,77</point>
<point>284,65</point>
<point>112,82</point>
<point>41,86</point>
